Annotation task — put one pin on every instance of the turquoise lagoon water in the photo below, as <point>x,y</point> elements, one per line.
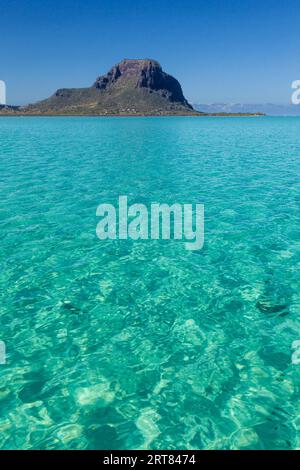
<point>132,345</point>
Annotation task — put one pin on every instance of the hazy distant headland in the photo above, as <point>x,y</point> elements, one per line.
<point>133,87</point>
<point>270,109</point>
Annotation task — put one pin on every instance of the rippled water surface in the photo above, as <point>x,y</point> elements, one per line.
<point>131,345</point>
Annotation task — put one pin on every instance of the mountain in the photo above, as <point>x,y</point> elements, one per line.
<point>237,108</point>
<point>132,87</point>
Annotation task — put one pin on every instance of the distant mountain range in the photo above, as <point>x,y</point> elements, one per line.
<point>133,87</point>
<point>237,108</point>
<point>138,87</point>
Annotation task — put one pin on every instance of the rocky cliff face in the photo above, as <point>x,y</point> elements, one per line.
<point>132,87</point>
<point>147,74</point>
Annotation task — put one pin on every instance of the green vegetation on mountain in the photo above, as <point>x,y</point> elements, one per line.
<point>132,87</point>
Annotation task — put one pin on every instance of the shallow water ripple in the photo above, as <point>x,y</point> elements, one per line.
<point>131,345</point>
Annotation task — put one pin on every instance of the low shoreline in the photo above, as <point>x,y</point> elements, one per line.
<point>199,115</point>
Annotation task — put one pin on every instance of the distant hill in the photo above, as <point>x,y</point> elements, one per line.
<point>136,87</point>
<point>269,109</point>
<point>132,87</point>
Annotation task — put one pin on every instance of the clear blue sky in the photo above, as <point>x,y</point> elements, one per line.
<point>220,50</point>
